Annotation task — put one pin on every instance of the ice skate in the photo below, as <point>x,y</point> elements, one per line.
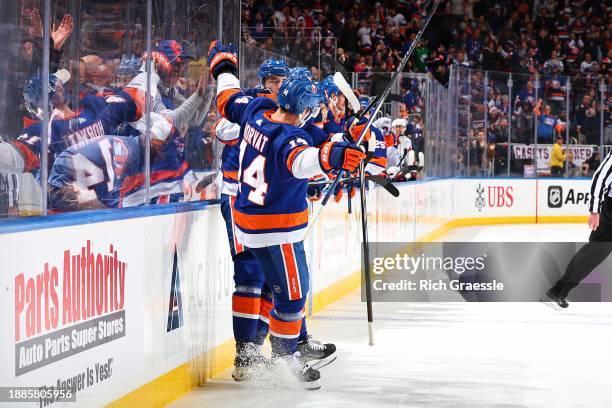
<point>307,376</point>
<point>249,361</point>
<point>554,301</point>
<point>317,354</point>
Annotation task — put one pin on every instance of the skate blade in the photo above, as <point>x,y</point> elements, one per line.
<point>311,385</point>
<point>243,376</point>
<point>318,364</point>
<point>551,303</point>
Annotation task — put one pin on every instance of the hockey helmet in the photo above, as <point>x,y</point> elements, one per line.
<point>272,67</point>
<point>297,95</point>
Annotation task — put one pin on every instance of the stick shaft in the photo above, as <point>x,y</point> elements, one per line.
<point>365,247</point>
<point>381,101</point>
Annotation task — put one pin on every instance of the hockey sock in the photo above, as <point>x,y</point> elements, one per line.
<point>284,332</point>
<point>264,318</point>
<point>245,316</point>
<point>304,330</point>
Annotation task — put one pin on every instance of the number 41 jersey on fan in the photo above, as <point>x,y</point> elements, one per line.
<point>96,169</point>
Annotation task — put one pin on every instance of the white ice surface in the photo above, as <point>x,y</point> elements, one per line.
<point>451,355</point>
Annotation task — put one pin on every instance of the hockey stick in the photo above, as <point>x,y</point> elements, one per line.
<point>381,101</point>
<point>362,179</point>
<point>352,99</point>
<point>345,88</point>
<point>381,181</point>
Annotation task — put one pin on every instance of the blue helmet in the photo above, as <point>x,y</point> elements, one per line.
<point>297,94</point>
<point>32,93</point>
<point>330,86</point>
<point>273,67</point>
<point>301,71</point>
<point>320,92</point>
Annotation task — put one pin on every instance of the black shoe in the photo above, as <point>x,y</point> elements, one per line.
<point>316,354</point>
<point>248,362</point>
<point>307,376</point>
<point>554,301</point>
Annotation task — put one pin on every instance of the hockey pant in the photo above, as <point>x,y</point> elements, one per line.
<point>252,299</point>
<point>286,273</point>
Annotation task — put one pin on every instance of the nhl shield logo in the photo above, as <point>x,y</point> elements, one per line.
<point>555,196</point>
<point>480,198</point>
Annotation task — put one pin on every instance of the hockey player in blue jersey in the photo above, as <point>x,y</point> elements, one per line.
<point>271,214</point>
<point>377,163</point>
<point>251,327</point>
<point>336,101</point>
<point>252,298</point>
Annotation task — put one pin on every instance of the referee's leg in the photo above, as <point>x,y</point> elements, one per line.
<point>590,255</point>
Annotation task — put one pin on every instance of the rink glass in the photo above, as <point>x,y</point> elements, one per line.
<point>503,110</point>
<point>103,37</point>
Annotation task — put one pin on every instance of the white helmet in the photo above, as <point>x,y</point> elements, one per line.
<point>399,122</point>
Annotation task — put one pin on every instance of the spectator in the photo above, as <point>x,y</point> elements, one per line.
<point>593,163</point>
<point>546,124</point>
<point>489,35</point>
<point>477,148</point>
<point>588,64</point>
<point>557,158</point>
<point>572,169</point>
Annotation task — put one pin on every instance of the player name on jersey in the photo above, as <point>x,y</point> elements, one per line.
<point>255,138</point>
<point>90,132</point>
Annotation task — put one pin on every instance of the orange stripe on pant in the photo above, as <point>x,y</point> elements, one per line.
<point>266,308</point>
<point>246,305</point>
<point>287,330</point>
<point>291,272</point>
<point>237,245</point>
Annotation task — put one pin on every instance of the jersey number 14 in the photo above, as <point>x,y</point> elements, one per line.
<point>253,176</point>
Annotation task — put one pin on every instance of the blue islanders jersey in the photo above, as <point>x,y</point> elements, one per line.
<point>112,169</point>
<point>98,167</point>
<point>167,173</point>
<point>229,156</point>
<point>271,206</point>
<point>95,117</point>
<point>318,135</point>
<point>333,124</point>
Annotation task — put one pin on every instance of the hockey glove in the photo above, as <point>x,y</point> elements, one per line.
<point>340,156</point>
<point>315,191</point>
<point>222,58</point>
<point>353,131</point>
<point>350,186</point>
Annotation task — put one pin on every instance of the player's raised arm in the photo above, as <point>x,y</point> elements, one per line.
<point>223,63</point>
<point>302,160</point>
